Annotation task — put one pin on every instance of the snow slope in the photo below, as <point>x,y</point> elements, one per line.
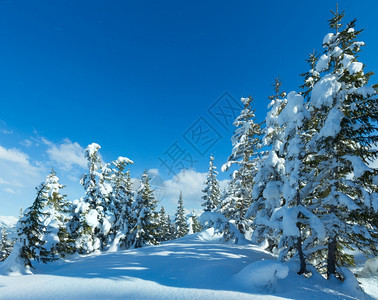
<point>197,266</point>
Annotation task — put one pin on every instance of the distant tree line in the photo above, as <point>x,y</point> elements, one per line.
<point>110,216</point>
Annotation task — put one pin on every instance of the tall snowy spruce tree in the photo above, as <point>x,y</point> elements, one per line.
<point>122,198</point>
<point>30,230</point>
<point>42,230</point>
<point>245,154</point>
<point>181,227</point>
<point>342,143</point>
<point>211,191</point>
<point>57,239</point>
<point>292,223</point>
<point>91,225</point>
<point>268,180</point>
<point>144,231</point>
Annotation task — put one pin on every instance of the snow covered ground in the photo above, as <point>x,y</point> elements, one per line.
<point>197,266</point>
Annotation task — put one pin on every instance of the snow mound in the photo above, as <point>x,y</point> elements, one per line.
<point>209,219</point>
<point>209,235</point>
<point>371,267</point>
<point>350,284</point>
<point>13,265</point>
<point>262,275</point>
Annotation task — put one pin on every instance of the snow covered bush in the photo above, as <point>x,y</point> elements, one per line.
<point>262,275</point>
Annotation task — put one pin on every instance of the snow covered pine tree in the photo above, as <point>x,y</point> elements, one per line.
<point>166,230</point>
<point>121,200</point>
<point>245,154</point>
<point>180,220</point>
<point>42,230</point>
<point>211,191</point>
<point>144,208</point>
<point>6,245</point>
<point>91,217</point>
<point>268,180</point>
<point>343,141</point>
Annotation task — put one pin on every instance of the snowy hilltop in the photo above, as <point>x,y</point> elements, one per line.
<point>8,223</point>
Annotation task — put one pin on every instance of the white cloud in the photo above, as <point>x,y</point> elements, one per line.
<point>16,159</point>
<point>153,172</point>
<point>10,191</point>
<point>11,183</point>
<point>22,170</point>
<point>73,178</point>
<point>27,143</point>
<point>5,129</point>
<point>2,181</point>
<point>67,154</point>
<point>18,177</point>
<point>13,155</point>
<point>191,184</point>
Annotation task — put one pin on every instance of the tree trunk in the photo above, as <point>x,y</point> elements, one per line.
<point>302,259</point>
<point>331,260</point>
<point>241,228</point>
<point>270,245</point>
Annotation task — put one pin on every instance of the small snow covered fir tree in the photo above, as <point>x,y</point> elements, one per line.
<point>194,224</point>
<point>343,127</point>
<point>165,228</point>
<point>6,245</point>
<point>171,230</point>
<point>181,227</point>
<point>211,191</point>
<point>30,230</point>
<point>42,230</point>
<point>144,231</point>
<point>228,200</point>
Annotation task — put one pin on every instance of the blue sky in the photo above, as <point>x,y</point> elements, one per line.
<point>142,78</point>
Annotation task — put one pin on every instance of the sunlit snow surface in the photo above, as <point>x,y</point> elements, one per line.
<point>197,266</point>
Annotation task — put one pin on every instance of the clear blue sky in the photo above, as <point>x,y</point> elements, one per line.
<point>137,76</point>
